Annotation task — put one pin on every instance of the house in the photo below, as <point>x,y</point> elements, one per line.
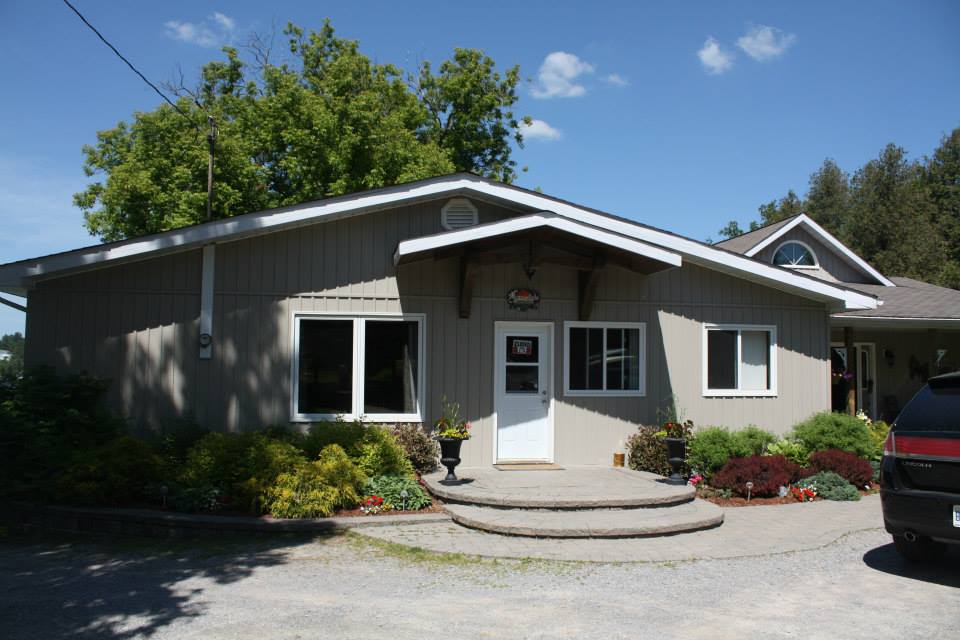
<point>5,355</point>
<point>558,328</point>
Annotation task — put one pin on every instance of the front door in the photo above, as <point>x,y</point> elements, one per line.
<point>522,392</point>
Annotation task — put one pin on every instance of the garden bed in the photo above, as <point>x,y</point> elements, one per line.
<point>738,501</point>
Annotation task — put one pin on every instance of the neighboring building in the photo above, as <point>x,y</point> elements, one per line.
<point>379,304</point>
<point>5,355</point>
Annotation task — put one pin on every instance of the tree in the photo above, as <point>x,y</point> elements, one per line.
<point>828,197</point>
<point>13,343</point>
<point>941,177</point>
<point>774,211</point>
<point>324,122</point>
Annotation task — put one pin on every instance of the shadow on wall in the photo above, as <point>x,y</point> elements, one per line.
<point>66,586</point>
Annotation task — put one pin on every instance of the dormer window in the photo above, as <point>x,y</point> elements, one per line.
<point>795,254</point>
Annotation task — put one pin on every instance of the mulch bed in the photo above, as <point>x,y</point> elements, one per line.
<point>436,507</point>
<point>737,501</point>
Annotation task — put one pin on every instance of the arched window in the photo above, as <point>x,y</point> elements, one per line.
<point>794,254</point>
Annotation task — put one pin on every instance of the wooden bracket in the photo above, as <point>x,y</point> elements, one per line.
<point>587,285</point>
<point>469,267</point>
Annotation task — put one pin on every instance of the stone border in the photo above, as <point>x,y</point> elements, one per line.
<point>147,522</point>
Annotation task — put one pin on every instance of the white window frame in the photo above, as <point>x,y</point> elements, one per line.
<point>642,374</point>
<point>359,333</point>
<point>741,393</point>
<point>813,254</point>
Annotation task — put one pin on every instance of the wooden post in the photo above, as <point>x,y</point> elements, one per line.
<point>469,266</point>
<point>851,370</point>
<point>587,286</point>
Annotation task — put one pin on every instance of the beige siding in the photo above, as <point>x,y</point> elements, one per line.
<point>138,324</point>
<point>832,267</point>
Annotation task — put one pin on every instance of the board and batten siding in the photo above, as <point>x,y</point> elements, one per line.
<point>832,267</point>
<point>137,324</point>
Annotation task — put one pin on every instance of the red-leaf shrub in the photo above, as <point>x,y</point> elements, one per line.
<point>848,466</point>
<point>767,473</point>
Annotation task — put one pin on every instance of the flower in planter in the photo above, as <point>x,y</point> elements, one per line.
<point>449,425</point>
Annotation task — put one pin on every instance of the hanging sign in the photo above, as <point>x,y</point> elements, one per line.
<point>519,347</point>
<point>523,299</point>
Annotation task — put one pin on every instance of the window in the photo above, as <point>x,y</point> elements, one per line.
<point>369,367</point>
<point>604,358</point>
<point>739,360</point>
<point>795,254</point>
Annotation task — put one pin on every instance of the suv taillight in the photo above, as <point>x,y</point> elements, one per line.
<point>921,447</point>
<point>890,445</point>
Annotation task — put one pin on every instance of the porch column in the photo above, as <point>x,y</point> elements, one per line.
<point>851,371</point>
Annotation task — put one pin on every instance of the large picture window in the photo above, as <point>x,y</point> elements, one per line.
<point>739,360</point>
<point>357,367</point>
<point>604,358</point>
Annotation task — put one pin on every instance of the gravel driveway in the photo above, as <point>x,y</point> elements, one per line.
<point>350,587</point>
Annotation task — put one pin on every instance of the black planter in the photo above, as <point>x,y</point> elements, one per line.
<point>676,454</point>
<point>450,456</point>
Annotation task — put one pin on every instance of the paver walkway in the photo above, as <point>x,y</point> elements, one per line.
<point>747,531</point>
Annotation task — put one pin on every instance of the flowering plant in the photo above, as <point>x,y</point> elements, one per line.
<point>449,425</point>
<point>695,479</point>
<point>373,504</point>
<point>842,375</point>
<point>673,429</point>
<point>804,494</point>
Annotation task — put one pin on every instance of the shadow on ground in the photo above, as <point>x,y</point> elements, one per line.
<point>54,586</point>
<point>943,571</point>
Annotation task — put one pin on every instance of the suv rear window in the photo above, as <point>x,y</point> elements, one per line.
<point>932,409</point>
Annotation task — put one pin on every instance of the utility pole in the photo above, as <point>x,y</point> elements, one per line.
<point>212,142</point>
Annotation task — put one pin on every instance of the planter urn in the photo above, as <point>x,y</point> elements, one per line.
<point>676,454</point>
<point>450,457</point>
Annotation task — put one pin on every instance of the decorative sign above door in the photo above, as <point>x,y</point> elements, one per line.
<point>523,299</point>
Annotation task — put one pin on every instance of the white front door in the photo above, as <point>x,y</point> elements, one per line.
<point>522,391</point>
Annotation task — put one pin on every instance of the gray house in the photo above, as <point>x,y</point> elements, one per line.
<point>558,328</point>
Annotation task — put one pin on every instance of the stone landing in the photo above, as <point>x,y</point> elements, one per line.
<point>574,502</point>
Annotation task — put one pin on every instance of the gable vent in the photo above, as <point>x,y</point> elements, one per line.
<point>458,213</point>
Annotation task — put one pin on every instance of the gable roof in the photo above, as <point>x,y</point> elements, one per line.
<point>16,277</point>
<point>752,243</point>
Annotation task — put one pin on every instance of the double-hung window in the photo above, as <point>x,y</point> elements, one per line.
<point>740,360</point>
<point>369,368</point>
<point>604,358</point>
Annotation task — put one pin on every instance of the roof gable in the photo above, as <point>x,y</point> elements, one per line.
<point>15,277</point>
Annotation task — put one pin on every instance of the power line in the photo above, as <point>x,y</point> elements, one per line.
<point>128,63</point>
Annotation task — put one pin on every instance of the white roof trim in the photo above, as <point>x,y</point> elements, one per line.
<point>525,223</point>
<point>892,322</point>
<point>848,255</point>
<point>15,276</point>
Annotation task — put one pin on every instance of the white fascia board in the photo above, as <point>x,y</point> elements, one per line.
<point>893,322</point>
<point>694,251</point>
<point>533,221</point>
<point>803,219</point>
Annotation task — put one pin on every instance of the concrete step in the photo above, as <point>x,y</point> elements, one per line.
<point>589,523</point>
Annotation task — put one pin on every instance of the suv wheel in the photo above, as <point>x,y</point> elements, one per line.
<point>920,550</point>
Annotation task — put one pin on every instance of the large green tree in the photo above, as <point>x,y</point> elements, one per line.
<point>325,121</point>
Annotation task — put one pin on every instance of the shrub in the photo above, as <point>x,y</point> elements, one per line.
<point>646,451</point>
<point>831,486</point>
<point>318,488</point>
<point>767,473</point>
<point>834,431</point>
<point>711,448</point>
<point>878,435</point>
<point>115,473</point>
<point>264,461</point>
<point>372,447</point>
<point>348,435</point>
<point>848,466</point>
<point>389,488</point>
<point>422,451</point>
<point>792,450</point>
<point>175,439</point>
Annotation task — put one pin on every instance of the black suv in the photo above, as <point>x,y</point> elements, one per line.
<point>920,474</point>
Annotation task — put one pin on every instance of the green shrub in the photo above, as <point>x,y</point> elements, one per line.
<point>348,435</point>
<point>318,488</point>
<point>834,431</point>
<point>379,454</point>
<point>831,486</point>
<point>422,450</point>
<point>48,423</point>
<point>711,448</point>
<point>389,488</point>
<point>792,450</point>
<point>175,439</point>
<point>265,460</point>
<point>878,435</point>
<point>115,473</point>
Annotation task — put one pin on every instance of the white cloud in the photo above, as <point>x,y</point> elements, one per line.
<point>715,59</point>
<point>539,130</point>
<point>616,80</point>
<point>557,75</point>
<point>763,43</point>
<point>216,29</point>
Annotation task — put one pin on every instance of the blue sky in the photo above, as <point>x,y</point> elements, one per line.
<point>683,115</point>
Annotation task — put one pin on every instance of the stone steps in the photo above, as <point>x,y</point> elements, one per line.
<point>589,523</point>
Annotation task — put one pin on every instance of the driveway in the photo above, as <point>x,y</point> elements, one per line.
<point>352,586</point>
